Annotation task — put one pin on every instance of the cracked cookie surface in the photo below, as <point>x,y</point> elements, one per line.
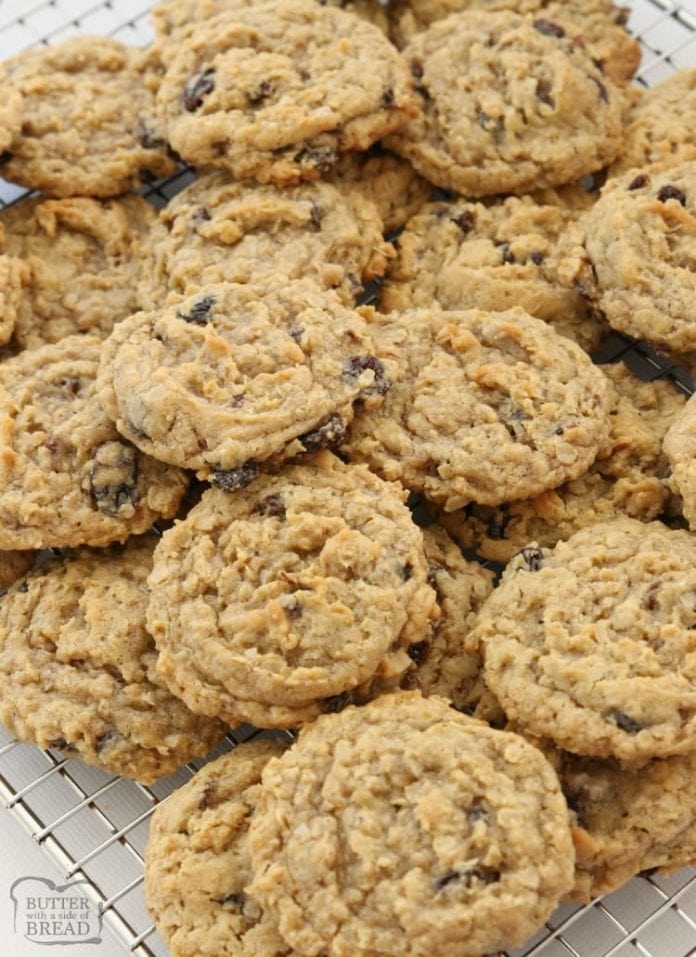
<point>88,124</point>
<point>509,104</point>
<point>197,863</point>
<point>277,93</point>
<point>83,263</point>
<point>592,643</point>
<point>471,381</point>
<point>77,666</point>
<point>236,374</point>
<point>66,475</point>
<point>300,588</point>
<point>405,828</point>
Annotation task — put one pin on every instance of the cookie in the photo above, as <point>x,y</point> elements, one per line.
<point>405,828</point>
<point>597,26</point>
<point>10,116</point>
<point>680,448</point>
<point>301,588</point>
<point>660,124</point>
<point>234,375</point>
<point>474,256</point>
<point>13,565</point>
<point>66,475</point>
<point>83,258</point>
<point>633,256</point>
<point>485,407</point>
<point>626,821</point>
<point>66,146</point>
<point>276,93</point>
<point>628,478</point>
<point>197,863</point>
<point>14,276</point>
<point>447,663</point>
<point>591,643</point>
<point>173,15</point>
<point>217,230</point>
<point>77,667</point>
<point>386,180</point>
<point>535,110</point>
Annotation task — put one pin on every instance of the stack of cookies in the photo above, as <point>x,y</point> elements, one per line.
<point>233,492</point>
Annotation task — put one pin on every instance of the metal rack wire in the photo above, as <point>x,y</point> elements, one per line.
<point>95,826</point>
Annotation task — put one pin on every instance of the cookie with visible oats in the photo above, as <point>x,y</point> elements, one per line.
<point>66,475</point>
<point>217,230</point>
<point>628,478</point>
<point>277,92</point>
<point>197,863</point>
<point>447,663</point>
<point>473,256</point>
<point>405,828</point>
<point>236,374</point>
<point>485,407</point>
<point>592,643</point>
<point>83,259</point>
<point>509,104</point>
<point>88,125</point>
<point>633,257</point>
<point>301,589</point>
<point>597,25</point>
<point>77,667</point>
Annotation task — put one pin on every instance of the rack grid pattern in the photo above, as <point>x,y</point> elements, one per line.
<point>95,826</point>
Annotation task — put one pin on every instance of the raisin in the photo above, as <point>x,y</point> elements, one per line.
<point>105,739</point>
<point>671,192</point>
<point>24,587</point>
<point>294,610</point>
<point>481,875</point>
<point>230,480</point>
<point>60,744</point>
<point>549,28</point>
<point>337,702</point>
<point>417,73</point>
<point>199,313</point>
<point>603,91</point>
<point>207,796</point>
<point>322,158</point>
<point>263,90</point>
<point>533,557</point>
<point>113,481</point>
<point>354,367</point>
<point>70,383</point>
<point>650,600</point>
<point>198,87</point>
<point>201,215</point>
<point>506,253</point>
<point>446,879</point>
<point>465,221</point>
<point>388,99</point>
<point>316,215</point>
<point>416,69</point>
<point>543,92</point>
<point>407,571</point>
<point>5,157</point>
<point>410,682</point>
<point>418,652</point>
<point>626,723</point>
<point>537,258</point>
<point>272,505</point>
<point>232,900</point>
<point>639,182</point>
<point>237,401</point>
<point>328,435</point>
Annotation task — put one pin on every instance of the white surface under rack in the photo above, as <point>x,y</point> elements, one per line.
<point>94,826</point>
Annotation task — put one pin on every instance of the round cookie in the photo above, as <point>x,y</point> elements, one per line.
<point>660,124</point>
<point>13,565</point>
<point>404,828</point>
<point>271,604</point>
<point>474,256</point>
<point>625,820</point>
<point>66,475</point>
<point>485,407</point>
<point>217,230</point>
<point>597,25</point>
<point>169,17</point>
<point>83,258</point>
<point>234,375</point>
<point>70,147</point>
<point>10,116</point>
<point>509,104</point>
<point>628,478</point>
<point>447,664</point>
<point>635,254</point>
<point>77,667</point>
<point>680,449</point>
<point>592,643</point>
<point>276,92</point>
<point>197,863</point>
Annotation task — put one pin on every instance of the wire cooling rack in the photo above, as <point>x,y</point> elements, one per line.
<point>95,826</point>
